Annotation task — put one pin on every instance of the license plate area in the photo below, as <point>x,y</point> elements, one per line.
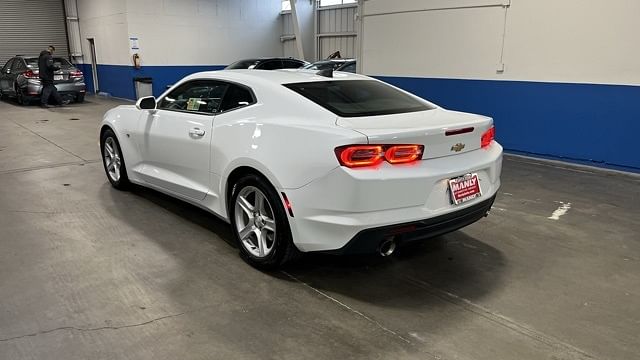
<point>58,77</point>
<point>464,188</point>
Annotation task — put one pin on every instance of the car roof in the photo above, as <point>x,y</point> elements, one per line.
<point>249,77</point>
<point>269,58</point>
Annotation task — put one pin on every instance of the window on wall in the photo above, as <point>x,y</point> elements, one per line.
<point>336,2</point>
<point>286,4</point>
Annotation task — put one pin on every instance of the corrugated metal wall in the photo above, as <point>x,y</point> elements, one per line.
<point>336,30</point>
<point>288,35</point>
<point>29,26</point>
<point>73,28</point>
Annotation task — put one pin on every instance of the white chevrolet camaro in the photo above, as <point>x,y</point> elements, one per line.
<point>299,161</point>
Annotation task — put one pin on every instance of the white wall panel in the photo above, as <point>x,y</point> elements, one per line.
<point>204,32</point>
<point>461,43</point>
<point>596,41</point>
<point>579,41</point>
<point>110,34</point>
<point>181,32</point>
<point>381,7</point>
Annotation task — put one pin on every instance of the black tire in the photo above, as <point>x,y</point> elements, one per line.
<point>283,250</point>
<point>122,182</point>
<point>20,95</point>
<point>80,98</point>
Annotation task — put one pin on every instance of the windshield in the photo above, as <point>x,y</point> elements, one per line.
<point>351,98</point>
<point>58,61</point>
<point>243,64</point>
<point>322,65</point>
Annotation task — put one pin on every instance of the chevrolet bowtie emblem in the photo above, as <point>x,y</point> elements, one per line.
<point>457,147</point>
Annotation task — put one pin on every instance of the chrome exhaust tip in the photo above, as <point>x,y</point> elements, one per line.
<point>387,247</point>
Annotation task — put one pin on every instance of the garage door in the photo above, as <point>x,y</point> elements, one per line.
<point>29,26</point>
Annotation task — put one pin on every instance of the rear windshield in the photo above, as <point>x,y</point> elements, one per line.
<point>61,62</point>
<point>351,98</point>
<point>242,64</point>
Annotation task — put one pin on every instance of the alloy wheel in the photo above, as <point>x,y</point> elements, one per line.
<point>255,222</point>
<point>112,159</point>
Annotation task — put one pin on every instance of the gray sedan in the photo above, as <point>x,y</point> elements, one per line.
<point>19,79</point>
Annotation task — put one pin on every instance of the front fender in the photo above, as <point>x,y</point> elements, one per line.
<point>123,120</point>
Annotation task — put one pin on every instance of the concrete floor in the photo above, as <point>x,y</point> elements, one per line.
<point>89,272</point>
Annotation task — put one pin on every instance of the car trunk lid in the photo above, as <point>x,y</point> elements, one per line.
<point>442,132</point>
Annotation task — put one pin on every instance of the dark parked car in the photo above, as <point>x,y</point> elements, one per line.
<point>19,79</point>
<point>267,64</point>
<point>348,65</point>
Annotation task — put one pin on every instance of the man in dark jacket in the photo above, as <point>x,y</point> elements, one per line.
<point>47,68</point>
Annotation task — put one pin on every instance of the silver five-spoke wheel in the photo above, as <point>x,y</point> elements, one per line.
<point>112,159</point>
<point>255,222</point>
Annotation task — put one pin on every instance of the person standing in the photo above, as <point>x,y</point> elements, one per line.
<point>46,68</point>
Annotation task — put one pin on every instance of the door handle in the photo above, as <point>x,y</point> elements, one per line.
<point>196,132</point>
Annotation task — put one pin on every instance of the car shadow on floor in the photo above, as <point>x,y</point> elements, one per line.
<point>416,275</point>
<point>422,274</point>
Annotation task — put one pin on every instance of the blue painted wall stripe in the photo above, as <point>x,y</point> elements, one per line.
<point>117,80</point>
<point>590,123</point>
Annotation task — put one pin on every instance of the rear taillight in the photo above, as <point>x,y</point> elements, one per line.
<point>75,74</point>
<point>371,155</point>
<point>360,155</point>
<point>488,137</point>
<point>30,74</point>
<point>402,154</point>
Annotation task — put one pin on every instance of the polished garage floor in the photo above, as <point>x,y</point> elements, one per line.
<point>88,272</point>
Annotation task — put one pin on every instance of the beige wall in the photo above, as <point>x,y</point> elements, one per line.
<point>595,41</point>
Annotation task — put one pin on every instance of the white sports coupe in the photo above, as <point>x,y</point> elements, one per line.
<point>299,161</point>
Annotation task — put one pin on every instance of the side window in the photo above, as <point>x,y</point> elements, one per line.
<point>7,66</point>
<point>291,64</point>
<point>349,68</point>
<point>235,97</point>
<point>270,65</point>
<point>199,96</point>
<point>18,65</point>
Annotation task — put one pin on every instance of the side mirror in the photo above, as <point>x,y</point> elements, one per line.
<point>146,103</point>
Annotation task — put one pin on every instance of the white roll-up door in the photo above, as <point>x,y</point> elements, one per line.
<point>29,26</point>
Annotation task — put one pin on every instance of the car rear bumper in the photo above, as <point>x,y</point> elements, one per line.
<point>346,205</point>
<point>34,88</point>
<point>370,240</point>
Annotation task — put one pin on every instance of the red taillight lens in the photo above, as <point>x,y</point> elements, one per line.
<point>75,74</point>
<point>402,154</point>
<point>372,155</point>
<point>29,74</point>
<point>488,137</point>
<point>360,155</point>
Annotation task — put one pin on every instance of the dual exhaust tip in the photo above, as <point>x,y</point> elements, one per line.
<point>387,246</point>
